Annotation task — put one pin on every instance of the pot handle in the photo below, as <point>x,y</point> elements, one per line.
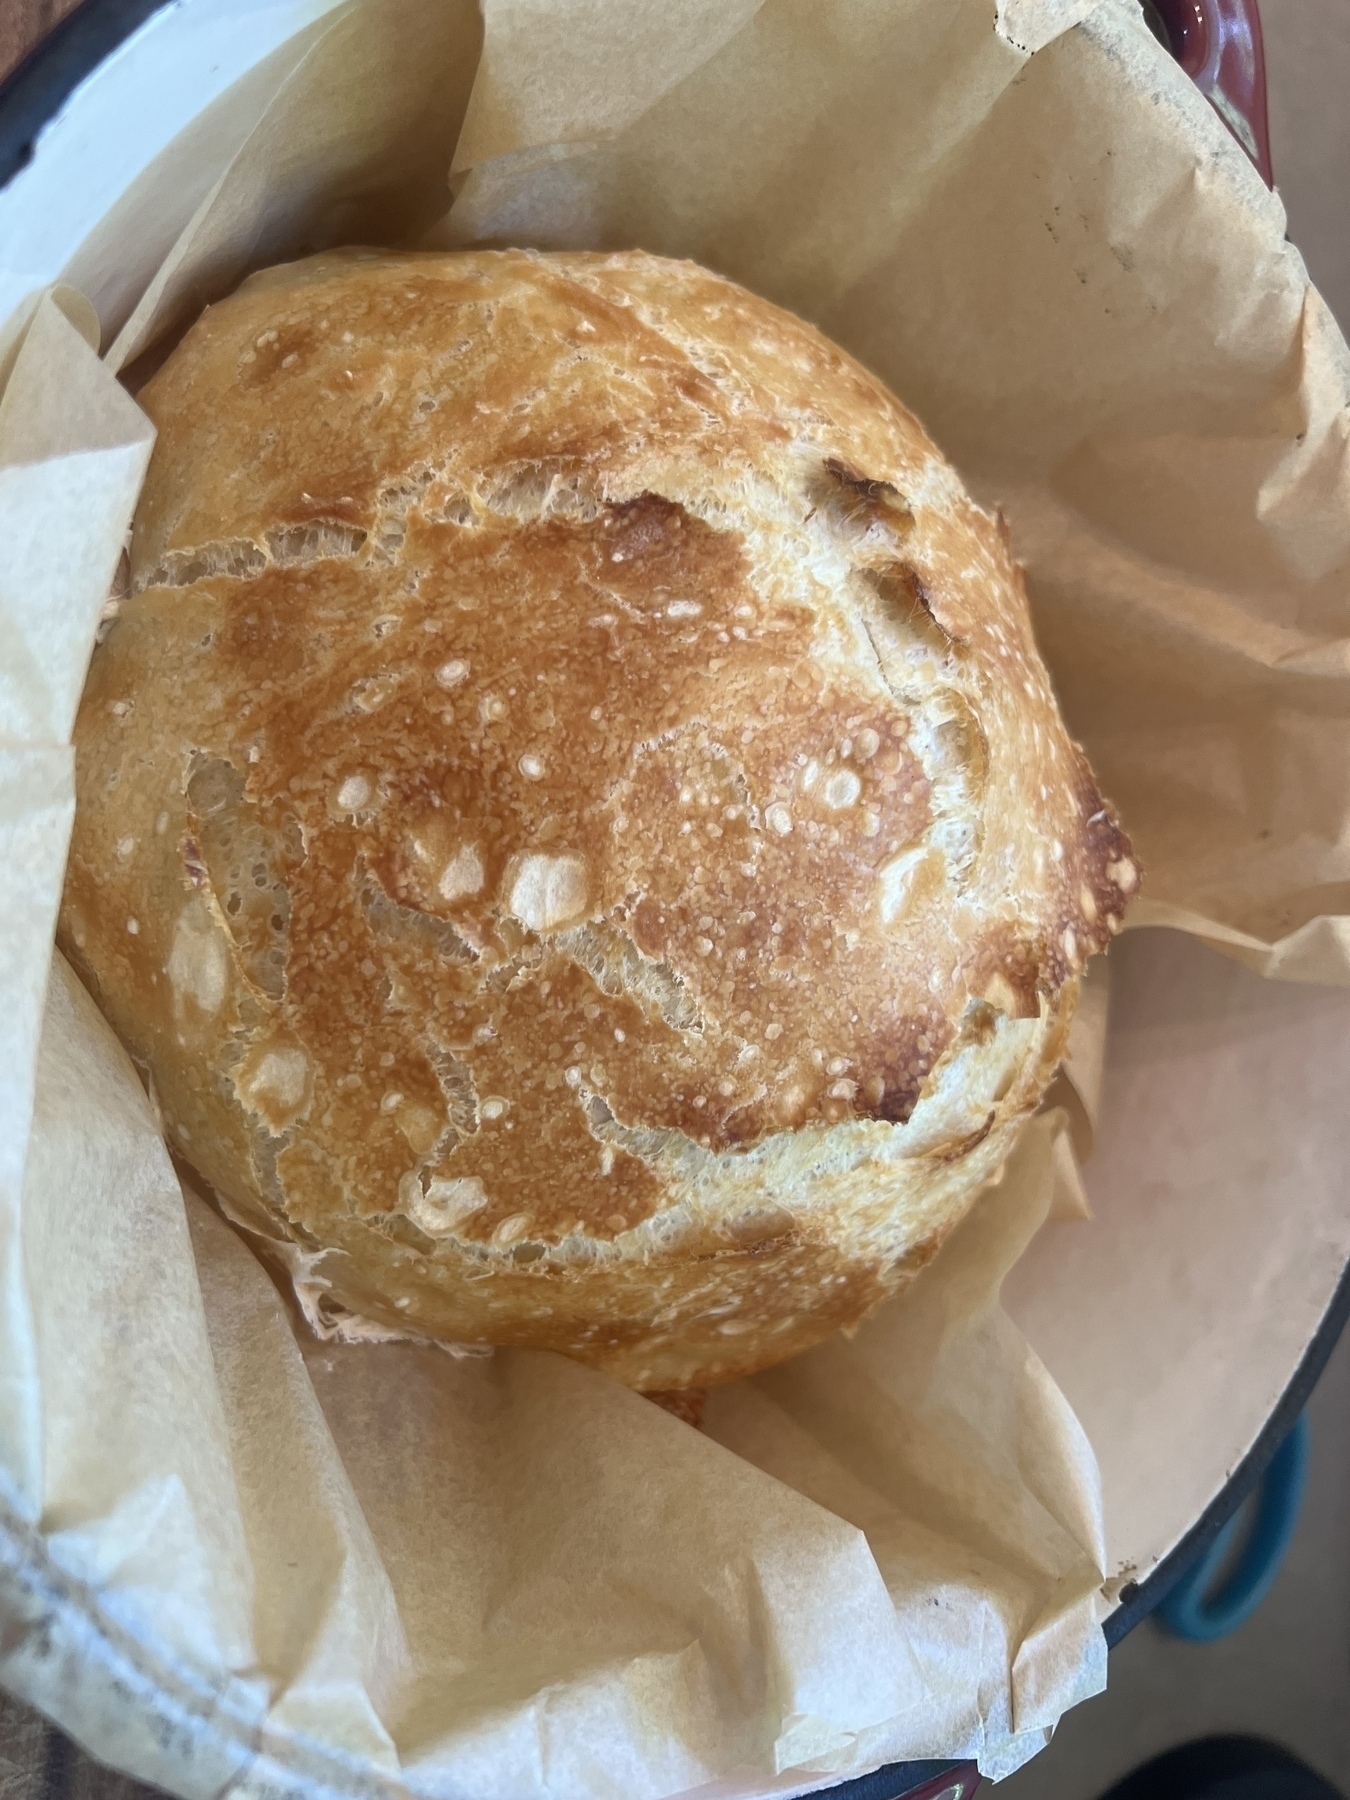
<point>1219,1593</point>
<point>1218,44</point>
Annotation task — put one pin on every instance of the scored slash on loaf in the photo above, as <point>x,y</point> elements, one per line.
<point>571,815</point>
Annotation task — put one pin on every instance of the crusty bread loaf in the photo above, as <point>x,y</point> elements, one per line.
<point>571,816</point>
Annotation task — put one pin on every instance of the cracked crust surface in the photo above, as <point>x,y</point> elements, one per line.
<point>571,815</point>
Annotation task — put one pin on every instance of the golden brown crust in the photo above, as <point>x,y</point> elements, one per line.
<point>572,816</point>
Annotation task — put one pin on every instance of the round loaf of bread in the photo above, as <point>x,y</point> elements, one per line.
<point>571,816</point>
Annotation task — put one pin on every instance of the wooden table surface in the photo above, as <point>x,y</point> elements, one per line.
<point>24,23</point>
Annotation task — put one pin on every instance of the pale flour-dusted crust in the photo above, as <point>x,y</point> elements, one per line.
<point>571,815</point>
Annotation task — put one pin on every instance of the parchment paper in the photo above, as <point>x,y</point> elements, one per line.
<point>375,1563</point>
<point>1175,1317</point>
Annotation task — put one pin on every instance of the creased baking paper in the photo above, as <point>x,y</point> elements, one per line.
<point>373,1565</point>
